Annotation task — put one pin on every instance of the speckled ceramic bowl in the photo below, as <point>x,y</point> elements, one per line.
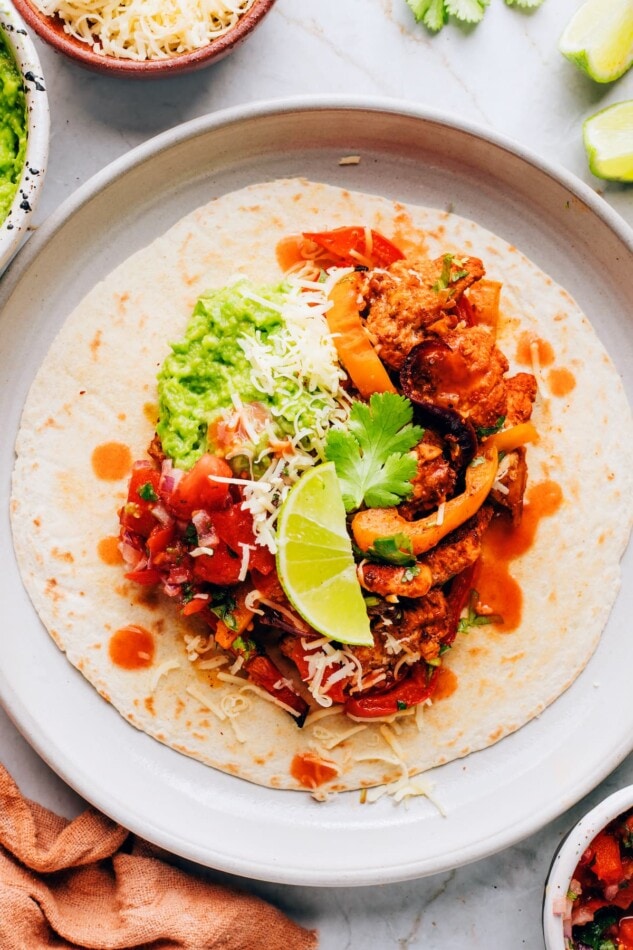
<point>51,29</point>
<point>14,228</point>
<point>567,858</point>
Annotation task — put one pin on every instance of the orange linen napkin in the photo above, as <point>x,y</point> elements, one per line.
<point>91,884</point>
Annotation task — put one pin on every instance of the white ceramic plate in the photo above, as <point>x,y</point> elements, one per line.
<point>492,798</point>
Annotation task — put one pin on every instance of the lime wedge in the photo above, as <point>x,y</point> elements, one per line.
<point>315,562</point>
<point>608,137</point>
<point>599,38</point>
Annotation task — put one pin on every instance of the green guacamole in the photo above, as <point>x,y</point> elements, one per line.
<point>209,365</point>
<point>12,127</point>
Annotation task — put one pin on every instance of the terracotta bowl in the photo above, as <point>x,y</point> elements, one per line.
<point>51,29</point>
<point>17,224</point>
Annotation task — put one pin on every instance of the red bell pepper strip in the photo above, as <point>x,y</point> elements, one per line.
<point>411,691</point>
<point>457,598</point>
<point>263,673</point>
<point>299,657</point>
<point>341,242</point>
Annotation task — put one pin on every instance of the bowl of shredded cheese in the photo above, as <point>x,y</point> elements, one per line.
<point>144,38</point>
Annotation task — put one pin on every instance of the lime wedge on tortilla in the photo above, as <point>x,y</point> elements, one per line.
<point>315,562</point>
<point>599,38</point>
<point>608,137</point>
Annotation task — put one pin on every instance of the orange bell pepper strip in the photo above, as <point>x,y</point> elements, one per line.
<point>509,439</point>
<point>353,346</point>
<point>242,616</point>
<point>374,523</point>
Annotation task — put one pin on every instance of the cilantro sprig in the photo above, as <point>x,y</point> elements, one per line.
<point>435,13</point>
<point>373,457</point>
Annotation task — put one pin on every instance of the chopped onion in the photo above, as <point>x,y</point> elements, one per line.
<point>207,536</point>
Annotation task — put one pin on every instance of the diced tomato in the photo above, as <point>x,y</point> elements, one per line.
<point>137,514</point>
<point>607,864</point>
<point>145,577</point>
<point>263,672</point>
<point>196,488</point>
<point>341,241</point>
<point>624,898</point>
<point>221,568</point>
<point>234,526</point>
<point>160,537</point>
<point>625,934</point>
<point>411,691</point>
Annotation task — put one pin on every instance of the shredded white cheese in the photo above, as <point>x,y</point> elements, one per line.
<point>162,670</point>
<point>298,366</point>
<point>146,29</point>
<point>246,686</point>
<point>205,702</point>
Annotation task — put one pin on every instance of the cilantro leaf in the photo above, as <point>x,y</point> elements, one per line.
<point>470,11</point>
<point>435,13</point>
<point>484,431</point>
<point>431,12</point>
<point>474,619</point>
<point>146,492</point>
<point>373,459</point>
<point>395,549</point>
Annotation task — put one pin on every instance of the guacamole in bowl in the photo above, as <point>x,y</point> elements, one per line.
<point>24,131</point>
<point>12,127</point>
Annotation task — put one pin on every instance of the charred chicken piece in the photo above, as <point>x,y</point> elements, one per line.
<point>512,477</point>
<point>521,393</point>
<point>435,479</point>
<point>404,301</point>
<point>453,555</point>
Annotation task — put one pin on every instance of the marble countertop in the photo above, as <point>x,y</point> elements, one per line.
<point>505,74</point>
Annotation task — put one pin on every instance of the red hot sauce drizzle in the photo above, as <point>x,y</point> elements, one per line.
<point>131,648</point>
<point>499,592</point>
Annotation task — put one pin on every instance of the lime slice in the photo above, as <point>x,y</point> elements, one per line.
<point>599,38</point>
<point>315,562</point>
<point>608,137</point>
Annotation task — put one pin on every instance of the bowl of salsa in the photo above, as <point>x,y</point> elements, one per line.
<point>588,903</point>
<point>24,131</point>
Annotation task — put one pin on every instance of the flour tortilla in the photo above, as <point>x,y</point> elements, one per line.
<point>98,385</point>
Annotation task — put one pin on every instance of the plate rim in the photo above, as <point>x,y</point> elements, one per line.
<point>17,710</point>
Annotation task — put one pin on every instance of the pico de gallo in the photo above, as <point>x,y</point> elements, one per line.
<point>422,330</point>
<point>600,897</point>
